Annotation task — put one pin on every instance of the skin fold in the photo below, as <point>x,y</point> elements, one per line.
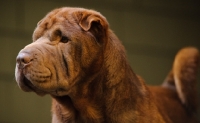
<point>77,59</point>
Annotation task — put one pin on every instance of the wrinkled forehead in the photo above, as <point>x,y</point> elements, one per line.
<point>58,17</point>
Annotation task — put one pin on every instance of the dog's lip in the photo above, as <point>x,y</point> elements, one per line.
<point>28,83</point>
<point>24,83</point>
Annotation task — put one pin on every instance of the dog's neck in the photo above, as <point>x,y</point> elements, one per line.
<point>92,99</point>
<point>120,78</point>
<point>116,63</point>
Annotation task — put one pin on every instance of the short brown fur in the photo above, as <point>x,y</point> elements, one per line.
<point>80,62</point>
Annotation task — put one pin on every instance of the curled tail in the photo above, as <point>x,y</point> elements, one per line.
<point>183,77</point>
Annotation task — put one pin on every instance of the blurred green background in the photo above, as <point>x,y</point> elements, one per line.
<point>151,30</point>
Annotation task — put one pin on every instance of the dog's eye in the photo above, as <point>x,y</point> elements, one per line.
<point>64,39</point>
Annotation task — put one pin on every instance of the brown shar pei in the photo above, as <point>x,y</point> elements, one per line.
<point>80,62</point>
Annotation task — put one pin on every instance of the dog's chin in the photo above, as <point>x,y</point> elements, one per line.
<point>27,86</point>
<point>32,84</point>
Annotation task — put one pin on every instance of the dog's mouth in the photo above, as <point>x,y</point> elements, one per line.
<point>33,86</point>
<point>27,86</point>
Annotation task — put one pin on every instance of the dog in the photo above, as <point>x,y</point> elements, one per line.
<point>77,59</point>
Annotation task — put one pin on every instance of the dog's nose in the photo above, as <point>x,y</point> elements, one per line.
<point>24,58</point>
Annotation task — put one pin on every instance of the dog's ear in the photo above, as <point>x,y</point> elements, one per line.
<point>90,21</point>
<point>93,22</point>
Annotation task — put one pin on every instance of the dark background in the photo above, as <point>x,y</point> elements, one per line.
<point>151,30</point>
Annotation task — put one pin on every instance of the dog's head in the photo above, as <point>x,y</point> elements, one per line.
<point>67,47</point>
